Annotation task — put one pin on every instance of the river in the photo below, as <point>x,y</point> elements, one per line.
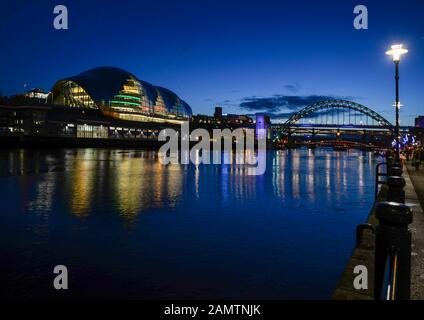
<point>126,226</point>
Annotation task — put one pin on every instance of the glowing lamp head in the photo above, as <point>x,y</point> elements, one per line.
<point>396,52</point>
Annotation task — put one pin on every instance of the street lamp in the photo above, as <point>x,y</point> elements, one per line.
<point>396,52</point>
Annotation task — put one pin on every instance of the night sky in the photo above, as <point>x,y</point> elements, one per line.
<point>247,56</point>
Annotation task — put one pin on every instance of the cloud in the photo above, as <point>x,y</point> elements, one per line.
<point>293,88</point>
<point>275,116</point>
<point>280,107</point>
<point>279,102</point>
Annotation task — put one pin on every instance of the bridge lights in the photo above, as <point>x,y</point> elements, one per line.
<point>396,52</point>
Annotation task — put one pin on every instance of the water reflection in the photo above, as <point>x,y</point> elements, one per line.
<point>301,174</point>
<point>45,192</point>
<point>311,174</point>
<point>295,174</point>
<point>129,181</point>
<point>179,225</point>
<point>82,184</point>
<point>134,181</point>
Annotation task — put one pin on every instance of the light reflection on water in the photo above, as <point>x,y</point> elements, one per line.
<point>146,230</point>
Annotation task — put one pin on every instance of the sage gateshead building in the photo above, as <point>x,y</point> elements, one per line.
<point>104,102</point>
<point>119,94</point>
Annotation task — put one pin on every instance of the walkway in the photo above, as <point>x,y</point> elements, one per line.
<point>415,198</point>
<point>364,254</point>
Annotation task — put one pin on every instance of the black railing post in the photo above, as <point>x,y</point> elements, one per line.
<point>389,160</point>
<point>378,174</point>
<point>395,192</point>
<point>392,278</point>
<point>396,170</point>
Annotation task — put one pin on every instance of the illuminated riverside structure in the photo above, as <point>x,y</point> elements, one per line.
<point>103,103</point>
<point>120,95</point>
<point>103,106</point>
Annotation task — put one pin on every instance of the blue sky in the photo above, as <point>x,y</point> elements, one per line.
<point>243,55</point>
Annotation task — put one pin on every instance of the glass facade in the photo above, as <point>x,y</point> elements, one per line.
<point>129,98</point>
<point>160,107</point>
<point>71,94</point>
<point>90,131</point>
<point>119,94</point>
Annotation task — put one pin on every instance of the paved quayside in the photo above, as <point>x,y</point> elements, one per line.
<point>364,253</point>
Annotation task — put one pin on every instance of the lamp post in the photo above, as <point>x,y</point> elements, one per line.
<point>396,52</point>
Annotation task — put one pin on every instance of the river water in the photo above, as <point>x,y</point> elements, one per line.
<point>125,226</point>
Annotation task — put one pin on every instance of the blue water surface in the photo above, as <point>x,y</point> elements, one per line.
<point>127,226</point>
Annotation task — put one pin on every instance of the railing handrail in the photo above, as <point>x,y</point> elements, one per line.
<point>392,258</point>
<point>389,286</point>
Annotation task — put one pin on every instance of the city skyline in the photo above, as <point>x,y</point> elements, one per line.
<point>246,57</point>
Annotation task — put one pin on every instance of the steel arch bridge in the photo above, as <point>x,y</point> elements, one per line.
<point>338,105</point>
<point>332,116</point>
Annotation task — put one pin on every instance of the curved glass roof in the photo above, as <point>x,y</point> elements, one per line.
<point>188,108</point>
<point>171,99</point>
<point>104,83</point>
<point>150,91</point>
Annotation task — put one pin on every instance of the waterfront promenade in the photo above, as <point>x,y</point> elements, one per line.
<point>415,197</point>
<point>363,254</point>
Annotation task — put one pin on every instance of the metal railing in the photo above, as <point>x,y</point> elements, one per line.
<point>378,174</point>
<point>392,261</point>
<point>392,273</point>
<point>389,286</point>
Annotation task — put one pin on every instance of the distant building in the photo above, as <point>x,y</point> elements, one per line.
<point>37,94</point>
<point>418,130</point>
<point>236,119</point>
<point>232,119</point>
<point>218,112</point>
<point>419,122</point>
<point>263,127</point>
<point>220,121</point>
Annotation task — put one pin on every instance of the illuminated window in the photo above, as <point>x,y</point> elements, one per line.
<point>93,132</point>
<point>160,107</point>
<point>129,98</point>
<point>72,95</point>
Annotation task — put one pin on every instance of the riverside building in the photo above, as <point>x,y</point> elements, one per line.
<point>103,103</point>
